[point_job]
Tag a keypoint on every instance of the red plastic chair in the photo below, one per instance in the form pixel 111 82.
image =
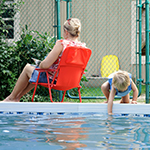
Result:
pixel 69 72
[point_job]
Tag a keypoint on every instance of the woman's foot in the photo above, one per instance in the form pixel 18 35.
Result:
pixel 9 99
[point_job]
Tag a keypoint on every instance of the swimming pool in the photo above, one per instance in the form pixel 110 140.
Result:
pixel 37 126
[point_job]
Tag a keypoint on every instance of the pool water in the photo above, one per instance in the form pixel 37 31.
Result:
pixel 74 131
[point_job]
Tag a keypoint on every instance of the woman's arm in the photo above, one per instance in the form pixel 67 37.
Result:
pixel 110 100
pixel 135 93
pixel 52 56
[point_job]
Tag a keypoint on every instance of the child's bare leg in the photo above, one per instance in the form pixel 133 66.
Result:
pixel 105 89
pixel 125 99
pixel 21 85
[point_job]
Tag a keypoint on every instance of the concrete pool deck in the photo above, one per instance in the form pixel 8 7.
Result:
pixel 140 100
pixel 73 107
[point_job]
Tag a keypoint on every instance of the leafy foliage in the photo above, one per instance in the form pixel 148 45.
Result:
pixel 7 74
pixel 7 10
pixel 14 58
pixel 32 44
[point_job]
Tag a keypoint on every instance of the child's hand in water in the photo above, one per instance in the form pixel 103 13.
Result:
pixel 110 114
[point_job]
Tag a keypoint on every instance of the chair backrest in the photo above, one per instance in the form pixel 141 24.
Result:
pixel 71 67
pixel 109 64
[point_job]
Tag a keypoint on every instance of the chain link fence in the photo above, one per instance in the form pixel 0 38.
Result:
pixel 41 16
pixel 108 28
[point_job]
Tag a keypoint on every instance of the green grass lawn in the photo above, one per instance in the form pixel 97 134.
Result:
pixel 85 92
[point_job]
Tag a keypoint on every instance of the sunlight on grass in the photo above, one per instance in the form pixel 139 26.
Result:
pixel 93 92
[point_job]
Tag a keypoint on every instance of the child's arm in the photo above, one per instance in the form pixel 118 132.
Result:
pixel 135 93
pixel 110 100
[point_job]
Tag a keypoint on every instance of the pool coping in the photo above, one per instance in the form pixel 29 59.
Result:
pixel 73 107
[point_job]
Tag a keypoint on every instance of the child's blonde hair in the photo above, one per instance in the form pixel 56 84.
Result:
pixel 121 80
pixel 73 26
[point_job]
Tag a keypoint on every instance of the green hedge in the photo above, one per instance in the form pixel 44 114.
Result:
pixel 14 58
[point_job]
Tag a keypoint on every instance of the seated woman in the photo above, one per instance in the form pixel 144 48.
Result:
pixel 72 29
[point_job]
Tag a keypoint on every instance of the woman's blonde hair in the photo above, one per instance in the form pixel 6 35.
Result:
pixel 121 80
pixel 73 26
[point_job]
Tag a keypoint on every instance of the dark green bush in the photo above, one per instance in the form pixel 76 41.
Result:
pixel 32 44
pixel 7 63
pixel 7 74
pixel 14 58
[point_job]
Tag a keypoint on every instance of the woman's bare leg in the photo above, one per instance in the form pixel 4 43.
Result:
pixel 22 85
pixel 26 90
pixel 105 89
pixel 125 99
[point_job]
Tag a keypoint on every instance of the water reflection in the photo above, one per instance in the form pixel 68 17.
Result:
pixel 71 132
pixel 57 130
pixel 127 132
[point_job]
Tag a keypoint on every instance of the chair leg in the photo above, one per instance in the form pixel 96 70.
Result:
pixel 36 86
pixel 49 88
pixel 33 94
pixel 50 94
pixel 79 95
pixel 63 96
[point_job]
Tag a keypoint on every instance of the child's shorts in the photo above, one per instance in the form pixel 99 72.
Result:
pixel 42 78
